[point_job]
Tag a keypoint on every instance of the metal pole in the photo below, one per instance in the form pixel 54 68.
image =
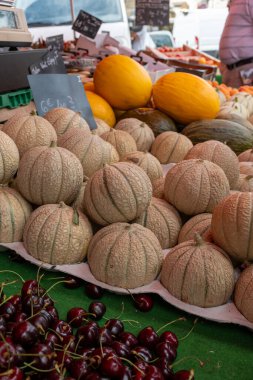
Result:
pixel 72 14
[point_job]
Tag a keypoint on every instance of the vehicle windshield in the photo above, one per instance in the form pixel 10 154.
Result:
pixel 161 40
pixel 58 12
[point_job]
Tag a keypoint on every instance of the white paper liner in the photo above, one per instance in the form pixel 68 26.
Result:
pixel 227 313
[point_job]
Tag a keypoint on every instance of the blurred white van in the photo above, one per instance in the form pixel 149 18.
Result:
pixel 47 18
pixel 200 28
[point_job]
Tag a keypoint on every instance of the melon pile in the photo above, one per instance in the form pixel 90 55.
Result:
pixel 72 194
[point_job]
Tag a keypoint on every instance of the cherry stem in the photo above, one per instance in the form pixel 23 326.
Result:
pixel 56 333
pixel 131 321
pixel 187 358
pixel 121 312
pixel 78 342
pixel 38 274
pixel 51 287
pixel 170 323
pixel 72 354
pixel 191 330
pixel 37 369
pixel 6 300
pixel 133 365
pixel 11 271
pixel 39 282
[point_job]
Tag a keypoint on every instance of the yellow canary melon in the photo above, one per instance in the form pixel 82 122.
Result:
pixel 199 273
pixel 101 108
pixel 123 82
pixel 57 234
pixel 125 255
pixel 185 97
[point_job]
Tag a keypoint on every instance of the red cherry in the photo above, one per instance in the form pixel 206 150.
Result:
pixel 79 369
pixel 148 337
pixel 43 357
pixel 32 304
pixel 164 366
pixel 72 282
pixel 20 317
pixel 115 326
pixel 76 316
pixel 3 325
pixel 7 311
pixel 98 309
pixel 165 349
pixel 153 373
pixel 184 375
pixel 25 334
pixel 143 302
pixel 31 287
pixel 62 328
pixel 142 353
pixel 128 339
pixel 88 335
pixel 8 356
pixel 121 349
pixel 16 301
pixel 111 366
pixel 53 312
pixel 14 373
pixel 170 337
pixel 93 291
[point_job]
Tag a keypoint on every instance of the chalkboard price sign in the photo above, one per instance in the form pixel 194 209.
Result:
pixel 55 42
pixel 50 63
pixel 87 24
pixel 60 90
pixel 152 12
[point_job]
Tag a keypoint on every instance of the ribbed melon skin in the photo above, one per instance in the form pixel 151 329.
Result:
pixel 140 131
pixel 171 147
pixel 117 193
pixel 92 151
pixel 29 131
pixel 49 175
pixel 195 186
pixel 54 234
pixel 9 158
pixel 198 274
pixel 147 162
pixel 122 141
pixel 232 225
pixel 78 201
pixel 125 255
pixel 221 155
pixel 63 119
pixel 102 127
pixel 246 156
pixel 238 137
pixel 200 224
pixel 245 183
pixel 14 212
pixel 243 293
pixel 246 168
pixel 163 220
pixel 158 188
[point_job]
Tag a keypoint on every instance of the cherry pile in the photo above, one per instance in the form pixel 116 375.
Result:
pixel 36 344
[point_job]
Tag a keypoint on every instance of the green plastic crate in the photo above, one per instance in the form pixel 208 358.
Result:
pixel 15 99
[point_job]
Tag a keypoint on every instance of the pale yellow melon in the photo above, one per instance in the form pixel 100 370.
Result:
pixel 29 131
pixel 14 212
pixel 171 147
pixel 197 224
pixel 57 234
pixel 92 151
pixel 163 220
pixel 232 225
pixel 147 162
pixel 140 131
pixel 9 158
pixel 63 119
pixel 49 175
pixel 158 188
pixel 221 155
pixel 243 293
pixel 117 193
pixel 122 141
pixel 199 273
pixel 125 255
pixel 195 186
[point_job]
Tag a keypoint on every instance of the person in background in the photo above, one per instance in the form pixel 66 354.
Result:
pixel 141 38
pixel 236 44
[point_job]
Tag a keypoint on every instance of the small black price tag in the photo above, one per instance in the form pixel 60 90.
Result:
pixel 55 42
pixel 50 63
pixel 59 90
pixel 152 12
pixel 87 24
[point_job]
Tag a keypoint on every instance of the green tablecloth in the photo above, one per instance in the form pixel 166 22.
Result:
pixel 227 350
